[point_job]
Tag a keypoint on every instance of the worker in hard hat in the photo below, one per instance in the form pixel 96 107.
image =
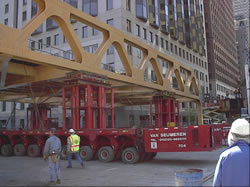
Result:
pixel 233 166
pixel 52 151
pixel 73 147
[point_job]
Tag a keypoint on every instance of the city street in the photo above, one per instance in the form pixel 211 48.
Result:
pixel 26 171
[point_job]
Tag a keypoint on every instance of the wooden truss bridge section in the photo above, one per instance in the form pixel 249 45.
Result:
pixel 25 72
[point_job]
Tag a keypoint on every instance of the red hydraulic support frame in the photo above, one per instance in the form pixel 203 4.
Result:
pixel 73 107
pixel 112 108
pixel 101 107
pixel 77 104
pixel 64 108
pixel 151 116
pixel 89 107
pixel 173 118
pixel 158 112
pixel 178 113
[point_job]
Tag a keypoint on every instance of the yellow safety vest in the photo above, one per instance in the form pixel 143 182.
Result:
pixel 75 142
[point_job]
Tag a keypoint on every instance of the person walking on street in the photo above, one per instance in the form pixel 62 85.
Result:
pixel 52 150
pixel 233 165
pixel 73 142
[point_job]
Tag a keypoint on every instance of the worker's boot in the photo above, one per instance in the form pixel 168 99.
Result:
pixel 58 181
pixel 52 182
pixel 82 164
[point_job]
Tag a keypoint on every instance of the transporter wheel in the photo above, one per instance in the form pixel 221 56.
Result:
pixel 6 150
pixel 33 150
pixel 19 150
pixel 86 153
pixel 130 155
pixel 64 154
pixel 106 154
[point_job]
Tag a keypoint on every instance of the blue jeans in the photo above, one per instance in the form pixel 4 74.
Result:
pixel 55 172
pixel 77 156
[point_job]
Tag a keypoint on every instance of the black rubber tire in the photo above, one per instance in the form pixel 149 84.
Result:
pixel 19 150
pixel 86 153
pixel 64 154
pixel 6 150
pixel 33 150
pixel 106 154
pixel 130 155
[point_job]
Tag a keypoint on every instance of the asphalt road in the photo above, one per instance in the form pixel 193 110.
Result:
pixel 26 171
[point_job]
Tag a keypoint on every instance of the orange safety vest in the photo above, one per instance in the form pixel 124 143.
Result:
pixel 75 142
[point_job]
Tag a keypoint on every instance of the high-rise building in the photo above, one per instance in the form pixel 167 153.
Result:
pixel 241 16
pixel 221 44
pixel 174 27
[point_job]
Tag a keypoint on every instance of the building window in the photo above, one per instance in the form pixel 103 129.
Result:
pixel 24 16
pixel 6 8
pixel 22 123
pixel 94 48
pixel 205 65
pixel 156 40
pixel 175 47
pixel 85 32
pixel 110 22
pixel 154 13
pixel 56 39
pixel 111 50
pixel 183 53
pixel 194 59
pixel 3 106
pixel 144 33
pixel 129 25
pixel 90 7
pixel 22 106
pixel 162 43
pixel 50 24
pixel 172 47
pixel 40 44
pixel 33 9
pixel 179 51
pixel 109 4
pixel 94 32
pixel 187 55
pixel 141 9
pixel 48 41
pixel 32 45
pixel 129 49
pixel 64 39
pixel 6 21
pixel 166 45
pixel 128 5
pixel 151 37
pixel 72 2
pixel 138 30
pixel 24 2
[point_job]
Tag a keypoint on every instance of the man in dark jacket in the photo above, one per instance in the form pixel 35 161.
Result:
pixel 52 150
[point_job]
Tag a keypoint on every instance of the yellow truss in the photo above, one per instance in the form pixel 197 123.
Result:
pixel 13 45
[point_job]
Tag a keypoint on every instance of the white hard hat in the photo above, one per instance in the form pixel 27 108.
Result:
pixel 240 127
pixel 71 131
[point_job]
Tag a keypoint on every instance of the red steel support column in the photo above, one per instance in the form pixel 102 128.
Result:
pixel 101 107
pixel 89 110
pixel 178 113
pixel 73 107
pixel 173 111
pixel 64 108
pixel 151 116
pixel 112 108
pixel 77 100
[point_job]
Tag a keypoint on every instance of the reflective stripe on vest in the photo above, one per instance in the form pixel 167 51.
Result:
pixel 75 142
